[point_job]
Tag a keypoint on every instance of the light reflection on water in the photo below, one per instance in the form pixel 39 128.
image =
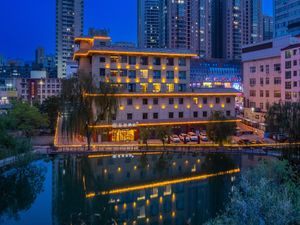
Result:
pixel 127 189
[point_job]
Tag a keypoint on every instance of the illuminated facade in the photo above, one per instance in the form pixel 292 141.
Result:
pixel 268 72
pixel 216 73
pixel 155 85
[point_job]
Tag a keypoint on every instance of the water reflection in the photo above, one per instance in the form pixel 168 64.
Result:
pixel 141 189
pixel 19 189
pixel 104 189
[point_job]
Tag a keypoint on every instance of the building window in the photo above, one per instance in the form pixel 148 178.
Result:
pixel 204 113
pixel 277 67
pixel 295 63
pixel 267 69
pixel 129 101
pixel 295 73
pixel 145 101
pixel 277 94
pixel 170 62
pixel 182 75
pixel 145 116
pixel 288 95
pixel 123 59
pixel 156 61
pixel 252 69
pixel 288 54
pixel 288 85
pixel 252 93
pixel 132 60
pixel 171 115
pixel 180 101
pixel 182 87
pixel 261 93
pixel 195 113
pixel 180 114
pixel 182 62
pixel 144 74
pixel 156 87
pixel 267 80
pixel 131 87
pixel 155 101
pixel 295 84
pixel 228 113
pixel 267 93
pixel 288 64
pixel 102 72
pixel 102 59
pixel 252 82
pixel 170 74
pixel 288 75
pixel 155 115
pixel 170 87
pixel 204 100
pixel 217 100
pixel 123 73
pixel 132 74
pixel 129 116
pixel 144 87
pixel 261 68
pixel 261 81
pixel 156 74
pixel 144 60
pixel 171 101
pixel 277 80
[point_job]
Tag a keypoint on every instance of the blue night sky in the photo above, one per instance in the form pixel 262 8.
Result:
pixel 31 23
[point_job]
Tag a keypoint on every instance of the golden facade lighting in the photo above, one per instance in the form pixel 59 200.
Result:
pixel 223 105
pixel 137 107
pixel 150 107
pixel 107 66
pixel 163 106
pixel 188 106
pixel 163 67
pixel 150 67
pixel 211 105
pixel 137 67
pixel 119 66
pixel 168 182
pixel 122 107
pixel 183 94
pixel 200 106
pixel 127 67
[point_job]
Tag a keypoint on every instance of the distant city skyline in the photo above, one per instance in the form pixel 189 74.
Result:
pixel 35 24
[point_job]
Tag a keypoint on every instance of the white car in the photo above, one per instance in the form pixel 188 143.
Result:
pixel 184 137
pixel 193 137
pixel 175 139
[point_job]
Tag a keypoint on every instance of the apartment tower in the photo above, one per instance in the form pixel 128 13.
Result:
pixel 69 24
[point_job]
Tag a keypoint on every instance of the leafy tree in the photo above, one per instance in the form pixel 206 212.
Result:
pixel 220 131
pixel 284 118
pixel 162 132
pixel 268 194
pixel 145 134
pixel 81 111
pixel 51 107
pixel 26 118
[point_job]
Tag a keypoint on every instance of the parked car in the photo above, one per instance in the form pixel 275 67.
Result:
pixel 203 137
pixel 184 137
pixel 193 137
pixel 244 142
pixel 279 137
pixel 174 138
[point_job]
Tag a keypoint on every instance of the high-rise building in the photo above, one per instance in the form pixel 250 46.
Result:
pixel 168 24
pixel 286 17
pixel 39 55
pixel 252 21
pixel 267 27
pixel 69 24
pixel 211 28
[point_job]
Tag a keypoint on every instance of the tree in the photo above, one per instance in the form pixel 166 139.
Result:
pixel 51 106
pixel 219 132
pixel 162 132
pixel 81 111
pixel 145 134
pixel 268 194
pixel 284 119
pixel 26 118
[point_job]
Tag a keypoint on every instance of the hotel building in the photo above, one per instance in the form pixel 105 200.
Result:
pixel 270 72
pixel 155 87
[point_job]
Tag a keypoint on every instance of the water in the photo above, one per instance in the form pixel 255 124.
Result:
pixel 127 189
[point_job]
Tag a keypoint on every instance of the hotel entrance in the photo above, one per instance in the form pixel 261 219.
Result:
pixel 119 135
